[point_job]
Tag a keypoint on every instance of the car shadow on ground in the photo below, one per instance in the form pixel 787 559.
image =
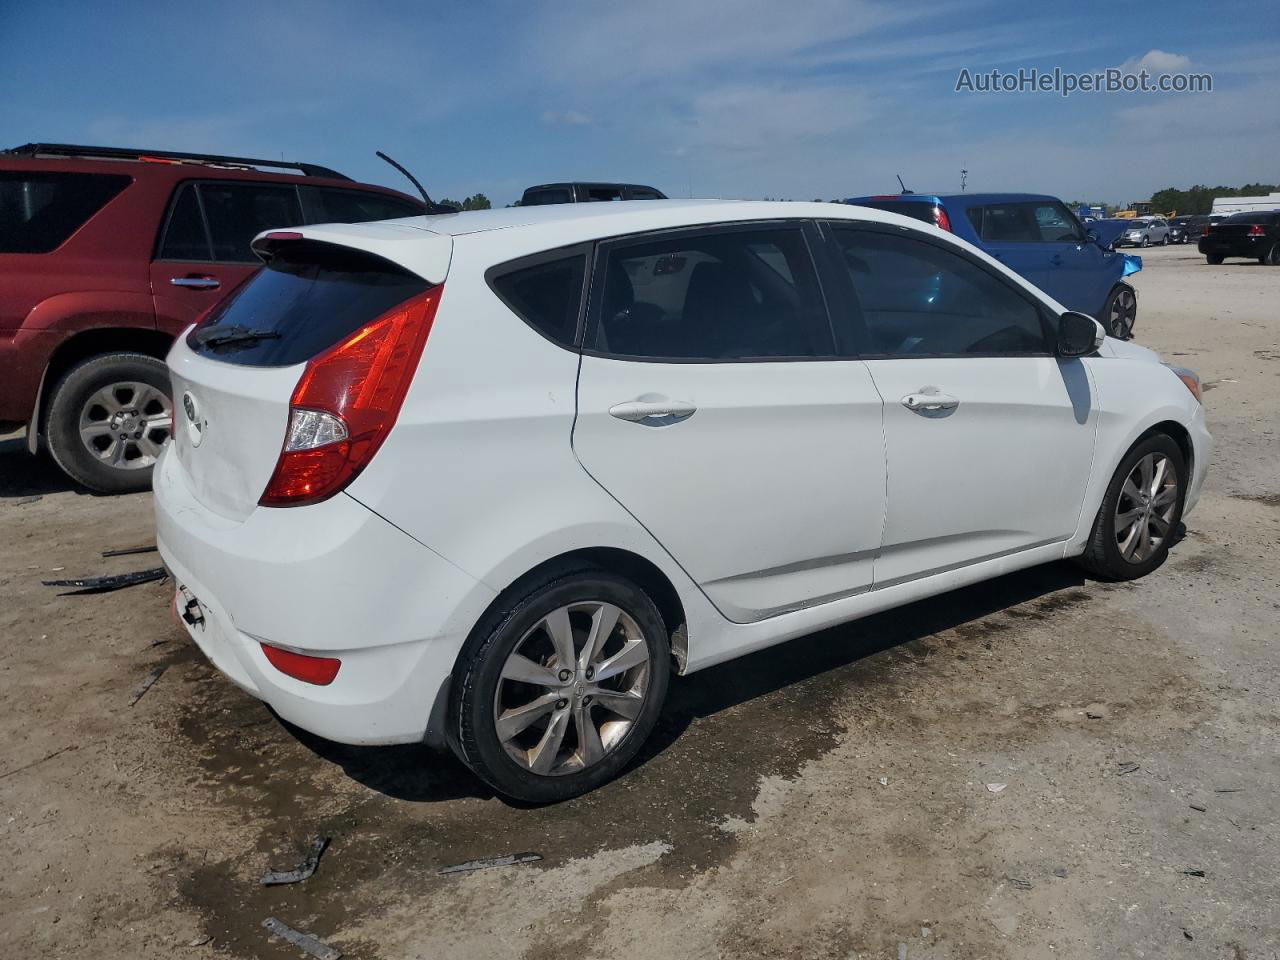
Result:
pixel 22 475
pixel 418 774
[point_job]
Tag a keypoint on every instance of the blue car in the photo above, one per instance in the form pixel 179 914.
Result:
pixel 1038 237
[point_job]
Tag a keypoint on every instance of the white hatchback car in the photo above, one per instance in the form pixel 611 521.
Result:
pixel 487 479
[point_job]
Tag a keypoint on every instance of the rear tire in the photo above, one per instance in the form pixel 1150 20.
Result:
pixel 1272 257
pixel 585 727
pixel 1213 259
pixel 107 418
pixel 1140 512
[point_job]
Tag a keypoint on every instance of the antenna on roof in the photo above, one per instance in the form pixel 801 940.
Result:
pixel 901 184
pixel 432 206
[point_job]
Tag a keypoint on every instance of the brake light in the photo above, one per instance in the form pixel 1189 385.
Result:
pixel 1205 231
pixel 1255 230
pixel 941 219
pixel 347 401
pixel 318 670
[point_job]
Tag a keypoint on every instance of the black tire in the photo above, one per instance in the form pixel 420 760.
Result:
pixel 1213 259
pixel 1146 241
pixel 473 732
pixel 1272 257
pixel 1120 312
pixel 1102 556
pixel 69 402
pixel 1165 241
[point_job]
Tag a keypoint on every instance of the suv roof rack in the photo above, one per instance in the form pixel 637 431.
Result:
pixel 121 153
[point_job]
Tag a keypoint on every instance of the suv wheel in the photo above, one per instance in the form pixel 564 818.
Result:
pixel 1121 312
pixel 107 419
pixel 556 699
pixel 1140 512
pixel 1213 259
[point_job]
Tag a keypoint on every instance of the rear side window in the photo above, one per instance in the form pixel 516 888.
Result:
pixel 603 193
pixel 715 295
pixel 546 295
pixel 355 206
pixel 643 193
pixel 237 212
pixel 537 198
pixel 40 211
pixel 915 209
pixel 306 299
pixel 913 298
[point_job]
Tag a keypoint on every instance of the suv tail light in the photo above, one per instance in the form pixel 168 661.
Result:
pixel 1255 230
pixel 941 219
pixel 347 401
pixel 1205 231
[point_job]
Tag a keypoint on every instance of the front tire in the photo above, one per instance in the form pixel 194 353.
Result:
pixel 555 698
pixel 1140 512
pixel 1121 312
pixel 1146 241
pixel 107 419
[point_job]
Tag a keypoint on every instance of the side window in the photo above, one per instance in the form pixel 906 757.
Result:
pixel 915 298
pixel 538 198
pixel 1009 223
pixel 355 206
pixel 604 193
pixel 40 211
pixel 1055 224
pixel 720 295
pixel 643 193
pixel 547 295
pixel 184 235
pixel 237 212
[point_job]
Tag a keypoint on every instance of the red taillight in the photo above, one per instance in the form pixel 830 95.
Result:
pixel 317 670
pixel 1255 230
pixel 941 219
pixel 1205 231
pixel 346 402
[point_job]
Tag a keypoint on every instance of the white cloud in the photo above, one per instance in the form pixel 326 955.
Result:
pixel 1156 61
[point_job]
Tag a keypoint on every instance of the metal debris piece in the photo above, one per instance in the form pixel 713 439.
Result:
pixel 1193 873
pixel 106 584
pixel 1187 933
pixel 200 941
pixel 883 781
pixel 303 941
pixel 129 551
pixel 1196 806
pixel 303 870
pixel 146 685
pixel 1090 715
pixel 1230 790
pixel 1019 882
pixel 996 787
pixel 509 860
pixel 1126 768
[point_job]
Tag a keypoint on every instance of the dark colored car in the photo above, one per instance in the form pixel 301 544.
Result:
pixel 105 256
pixel 1038 237
pixel 587 193
pixel 1187 227
pixel 1254 235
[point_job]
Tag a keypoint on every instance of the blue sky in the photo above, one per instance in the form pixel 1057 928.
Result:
pixel 739 98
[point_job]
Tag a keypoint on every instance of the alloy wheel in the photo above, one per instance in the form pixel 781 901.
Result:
pixel 1124 309
pixel 125 424
pixel 1145 507
pixel 572 688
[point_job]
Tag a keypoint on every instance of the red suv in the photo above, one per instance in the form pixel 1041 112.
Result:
pixel 105 256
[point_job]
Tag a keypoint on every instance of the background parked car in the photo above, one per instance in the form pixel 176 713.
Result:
pixel 587 193
pixel 1187 228
pixel 106 255
pixel 1038 237
pixel 1143 232
pixel 1255 235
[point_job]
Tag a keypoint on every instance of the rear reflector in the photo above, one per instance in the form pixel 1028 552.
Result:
pixel 347 401
pixel 317 670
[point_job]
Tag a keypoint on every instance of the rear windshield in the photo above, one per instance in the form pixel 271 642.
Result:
pixel 1250 216
pixel 916 209
pixel 39 211
pixel 304 301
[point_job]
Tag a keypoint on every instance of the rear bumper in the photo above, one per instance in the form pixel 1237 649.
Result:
pixel 1249 247
pixel 332 579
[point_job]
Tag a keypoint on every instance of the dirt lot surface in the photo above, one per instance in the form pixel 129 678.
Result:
pixel 836 797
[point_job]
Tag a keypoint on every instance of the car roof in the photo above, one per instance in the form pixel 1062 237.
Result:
pixel 588 183
pixel 960 199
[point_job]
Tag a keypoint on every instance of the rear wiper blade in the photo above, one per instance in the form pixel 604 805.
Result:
pixel 218 336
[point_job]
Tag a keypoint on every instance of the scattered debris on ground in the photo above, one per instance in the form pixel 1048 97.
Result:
pixel 36 763
pixel 303 941
pixel 1196 806
pixel 146 685
pixel 303 870
pixel 996 787
pixel 1193 873
pixel 200 941
pixel 130 551
pixel 507 861
pixel 1125 768
pixel 115 581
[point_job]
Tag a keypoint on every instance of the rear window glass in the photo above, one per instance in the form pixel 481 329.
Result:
pixel 536 198
pixel 40 211
pixel 304 301
pixel 1251 216
pixel 547 296
pixel 354 206
pixel 915 209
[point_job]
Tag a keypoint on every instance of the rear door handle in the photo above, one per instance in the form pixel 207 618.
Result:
pixel 929 402
pixel 653 413
pixel 196 283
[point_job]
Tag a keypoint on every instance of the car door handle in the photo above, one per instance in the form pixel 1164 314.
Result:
pixel 653 413
pixel 196 283
pixel 929 402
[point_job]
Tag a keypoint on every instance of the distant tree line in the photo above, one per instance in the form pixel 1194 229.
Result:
pixel 1199 199
pixel 476 202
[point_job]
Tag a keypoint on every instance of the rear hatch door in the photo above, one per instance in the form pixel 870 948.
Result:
pixel 234 374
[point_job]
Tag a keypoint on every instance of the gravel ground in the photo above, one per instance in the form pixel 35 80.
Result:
pixel 830 798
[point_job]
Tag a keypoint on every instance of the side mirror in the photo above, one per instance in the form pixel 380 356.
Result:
pixel 1079 334
pixel 1091 236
